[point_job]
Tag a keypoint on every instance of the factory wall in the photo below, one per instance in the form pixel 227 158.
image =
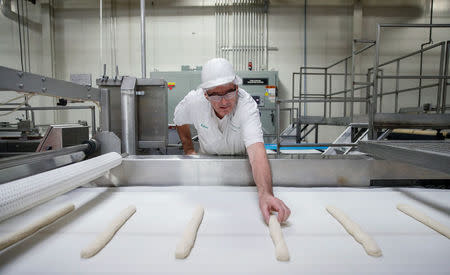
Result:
pixel 10 57
pixel 183 33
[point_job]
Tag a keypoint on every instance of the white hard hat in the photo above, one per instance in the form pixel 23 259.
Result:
pixel 218 71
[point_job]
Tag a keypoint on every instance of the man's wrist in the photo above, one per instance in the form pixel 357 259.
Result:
pixel 264 193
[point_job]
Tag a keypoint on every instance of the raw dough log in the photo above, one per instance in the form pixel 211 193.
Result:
pixel 353 229
pixel 281 250
pixel 104 237
pixel 32 228
pixel 421 217
pixel 190 233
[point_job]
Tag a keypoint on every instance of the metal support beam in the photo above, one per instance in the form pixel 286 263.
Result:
pixel 105 117
pixel 14 80
pixel 143 46
pixel 128 108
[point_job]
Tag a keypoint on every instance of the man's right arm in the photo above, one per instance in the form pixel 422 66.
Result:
pixel 185 136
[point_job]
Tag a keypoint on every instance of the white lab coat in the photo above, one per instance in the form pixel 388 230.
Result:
pixel 230 135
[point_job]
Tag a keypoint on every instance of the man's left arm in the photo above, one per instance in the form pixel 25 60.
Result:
pixel 263 180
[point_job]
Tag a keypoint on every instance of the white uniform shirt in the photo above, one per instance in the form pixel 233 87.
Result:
pixel 227 136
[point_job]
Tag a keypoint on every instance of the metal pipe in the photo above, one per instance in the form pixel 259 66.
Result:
pixel 222 27
pixel 349 57
pixel 414 77
pixel 101 34
pixel 430 41
pixel 261 35
pixel 291 118
pixel 445 83
pixel 47 108
pixel 28 36
pixel 305 44
pixel 267 33
pixel 325 94
pixel 252 35
pixel 238 38
pixel 227 27
pixel 352 86
pixel 217 29
pixel 348 90
pixel 409 89
pixel 394 25
pixel 246 34
pixel 345 87
pixel 334 99
pixel 277 126
pixel 93 122
pixel 396 86
pixel 321 145
pixel 409 55
pixel 381 91
pixel 338 74
pixel 143 46
pixel 372 134
pixel 329 97
pixel 38 156
pixel 297 130
pixel 219 32
pixel 440 81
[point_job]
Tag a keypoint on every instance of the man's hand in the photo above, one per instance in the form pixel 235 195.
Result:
pixel 268 203
pixel 190 152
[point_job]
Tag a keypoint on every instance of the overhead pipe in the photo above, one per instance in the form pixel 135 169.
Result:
pixel 430 41
pixel 267 34
pixel 304 52
pixel 143 55
pixel 234 33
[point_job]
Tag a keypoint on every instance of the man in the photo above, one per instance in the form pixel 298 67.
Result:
pixel 227 122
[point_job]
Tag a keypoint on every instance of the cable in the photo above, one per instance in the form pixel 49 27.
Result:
pixel 5 103
pixel 25 19
pixel 20 33
pixel 18 106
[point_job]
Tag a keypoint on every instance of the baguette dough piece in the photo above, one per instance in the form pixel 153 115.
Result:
pixel 185 245
pixel 353 229
pixel 35 226
pixel 104 237
pixel 421 217
pixel 281 249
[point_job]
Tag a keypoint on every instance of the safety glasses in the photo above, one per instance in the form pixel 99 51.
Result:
pixel 227 96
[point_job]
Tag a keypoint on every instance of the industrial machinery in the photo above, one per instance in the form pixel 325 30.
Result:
pixel 114 171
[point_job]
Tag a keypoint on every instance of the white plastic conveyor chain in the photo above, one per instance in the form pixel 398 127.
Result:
pixel 23 194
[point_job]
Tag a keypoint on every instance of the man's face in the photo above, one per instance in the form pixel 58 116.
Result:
pixel 222 98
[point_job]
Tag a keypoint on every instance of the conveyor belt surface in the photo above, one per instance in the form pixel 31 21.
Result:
pixel 232 238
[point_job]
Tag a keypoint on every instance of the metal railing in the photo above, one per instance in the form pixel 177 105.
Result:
pixel 373 85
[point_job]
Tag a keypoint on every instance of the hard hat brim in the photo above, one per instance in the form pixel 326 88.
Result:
pixel 221 81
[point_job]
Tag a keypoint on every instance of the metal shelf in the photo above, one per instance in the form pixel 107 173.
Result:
pixel 429 154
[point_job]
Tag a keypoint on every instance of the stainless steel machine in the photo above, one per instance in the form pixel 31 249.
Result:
pixel 233 238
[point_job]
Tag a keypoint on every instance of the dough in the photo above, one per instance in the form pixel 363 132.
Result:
pixel 353 229
pixel 32 228
pixel 190 233
pixel 421 217
pixel 281 250
pixel 104 237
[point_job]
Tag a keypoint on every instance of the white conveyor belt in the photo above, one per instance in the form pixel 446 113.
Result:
pixel 233 238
